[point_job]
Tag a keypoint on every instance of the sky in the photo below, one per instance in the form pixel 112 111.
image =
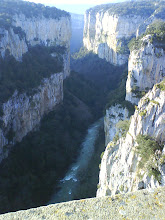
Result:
pixel 74 6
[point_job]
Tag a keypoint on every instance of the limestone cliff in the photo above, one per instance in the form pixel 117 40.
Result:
pixel 22 112
pixel 29 24
pixel 108 28
pixel 146 67
pixel 113 115
pixel 23 26
pixel 120 171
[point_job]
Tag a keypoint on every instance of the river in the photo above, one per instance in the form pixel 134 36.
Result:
pixel 71 181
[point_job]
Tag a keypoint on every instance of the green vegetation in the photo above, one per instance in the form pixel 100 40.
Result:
pixel 157 37
pixel 122 46
pixel 26 75
pixel 143 8
pixel 136 43
pixel 31 172
pixel 161 85
pixel 143 113
pixel 103 75
pixel 10 8
pixel 137 92
pixel 117 96
pixel 102 154
pixel 81 53
pixel 123 127
pixel 146 149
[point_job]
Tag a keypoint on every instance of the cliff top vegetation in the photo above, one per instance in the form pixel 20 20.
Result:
pixel 10 8
pixel 157 37
pixel 142 8
pixel 28 74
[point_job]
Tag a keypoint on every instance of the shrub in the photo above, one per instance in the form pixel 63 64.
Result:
pixel 161 85
pixel 146 149
pixel 123 127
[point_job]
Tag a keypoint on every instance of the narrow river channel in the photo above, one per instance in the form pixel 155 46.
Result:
pixel 71 181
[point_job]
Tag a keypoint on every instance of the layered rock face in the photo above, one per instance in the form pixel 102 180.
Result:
pixel 113 115
pixel 120 170
pixel 108 28
pixel 146 67
pixel 26 31
pixel 104 33
pixel 23 112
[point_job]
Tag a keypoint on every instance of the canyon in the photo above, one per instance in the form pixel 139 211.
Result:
pixel 121 64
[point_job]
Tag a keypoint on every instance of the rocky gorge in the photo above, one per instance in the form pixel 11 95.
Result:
pixel 44 124
pixel 21 113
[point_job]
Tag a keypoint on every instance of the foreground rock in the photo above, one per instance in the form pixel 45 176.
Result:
pixel 139 205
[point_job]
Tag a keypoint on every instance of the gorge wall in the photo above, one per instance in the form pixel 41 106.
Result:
pixel 23 27
pixel 108 28
pixel 134 157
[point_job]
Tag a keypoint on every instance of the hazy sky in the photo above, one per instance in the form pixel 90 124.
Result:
pixel 74 6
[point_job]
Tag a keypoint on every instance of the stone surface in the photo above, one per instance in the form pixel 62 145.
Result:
pixel 113 115
pixel 37 30
pixel 139 205
pixel 146 67
pixel 119 166
pixel 103 33
pixel 22 112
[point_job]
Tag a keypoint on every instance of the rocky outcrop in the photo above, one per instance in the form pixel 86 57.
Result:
pixel 146 67
pixel 105 34
pixel 22 113
pixel 113 115
pixel 139 205
pixel 109 28
pixel 26 31
pixel 28 25
pixel 120 171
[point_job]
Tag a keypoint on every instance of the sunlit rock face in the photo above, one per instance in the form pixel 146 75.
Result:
pixel 146 67
pixel 113 115
pixel 109 28
pixel 34 31
pixel 105 34
pixel 120 172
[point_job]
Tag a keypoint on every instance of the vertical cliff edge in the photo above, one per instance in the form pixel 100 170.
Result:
pixel 34 59
pixel 109 28
pixel 135 154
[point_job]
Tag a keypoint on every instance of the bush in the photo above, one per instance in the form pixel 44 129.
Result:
pixel 26 75
pixel 146 149
pixel 123 127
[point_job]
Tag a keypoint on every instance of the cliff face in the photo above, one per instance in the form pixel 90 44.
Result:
pixel 104 33
pixel 26 30
pixel 120 171
pixel 22 112
pixel 146 67
pixel 113 115
pixel 108 28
